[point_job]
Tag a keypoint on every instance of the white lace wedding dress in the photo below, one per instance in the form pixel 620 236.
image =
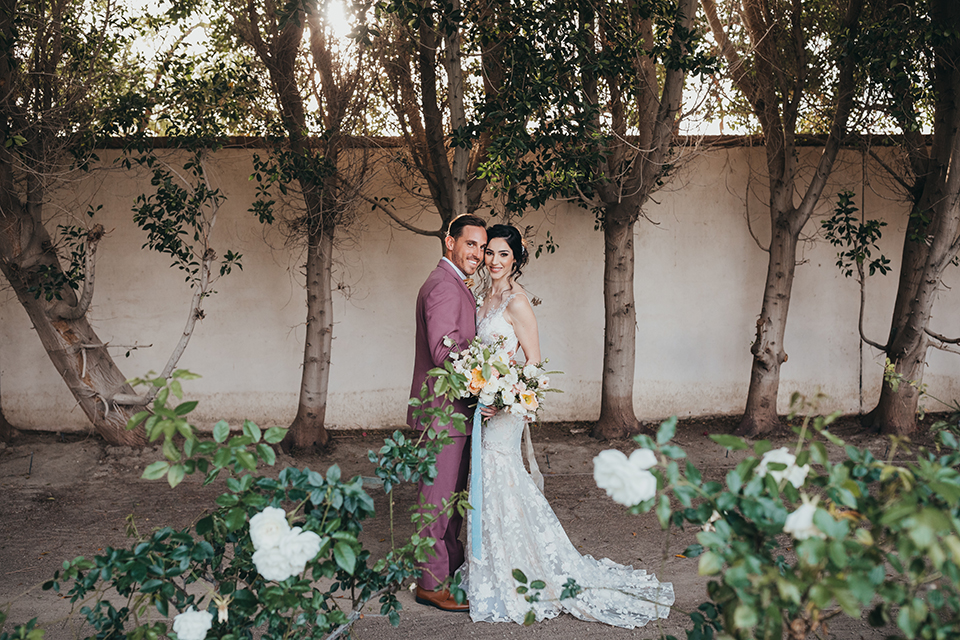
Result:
pixel 520 531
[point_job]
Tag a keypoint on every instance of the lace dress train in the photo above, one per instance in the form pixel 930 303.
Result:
pixel 521 531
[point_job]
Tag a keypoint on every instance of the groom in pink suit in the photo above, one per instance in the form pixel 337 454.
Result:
pixel 446 308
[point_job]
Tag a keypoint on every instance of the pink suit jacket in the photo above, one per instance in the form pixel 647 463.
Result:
pixel 445 308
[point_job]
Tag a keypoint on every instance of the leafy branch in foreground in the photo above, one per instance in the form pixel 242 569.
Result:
pixel 272 559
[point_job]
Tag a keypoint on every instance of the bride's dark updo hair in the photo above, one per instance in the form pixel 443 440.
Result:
pixel 514 241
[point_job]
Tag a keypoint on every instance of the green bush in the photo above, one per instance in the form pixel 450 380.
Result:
pixel 322 515
pixel 793 540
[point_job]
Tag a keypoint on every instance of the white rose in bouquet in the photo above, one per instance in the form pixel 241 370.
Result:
pixel 626 480
pixel 268 527
pixel 795 475
pixel 531 371
pixel 800 525
pixel 192 624
pixel 299 547
pixel 273 564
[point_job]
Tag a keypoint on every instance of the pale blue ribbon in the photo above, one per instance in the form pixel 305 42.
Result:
pixel 476 483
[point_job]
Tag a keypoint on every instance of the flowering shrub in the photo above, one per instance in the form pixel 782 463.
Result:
pixel 260 553
pixel 865 534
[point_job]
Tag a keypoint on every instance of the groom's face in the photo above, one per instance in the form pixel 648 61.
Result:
pixel 467 251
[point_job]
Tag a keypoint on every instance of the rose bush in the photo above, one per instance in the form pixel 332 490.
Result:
pixel 260 573
pixel 873 536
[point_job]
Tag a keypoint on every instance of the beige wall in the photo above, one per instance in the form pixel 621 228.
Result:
pixel 699 284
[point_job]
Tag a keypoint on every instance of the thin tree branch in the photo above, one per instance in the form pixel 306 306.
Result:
pixel 77 311
pixel 406 225
pixel 863 303
pixel 943 347
pixel 893 174
pixel 944 339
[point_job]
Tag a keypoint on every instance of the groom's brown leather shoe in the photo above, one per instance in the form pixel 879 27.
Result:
pixel 441 600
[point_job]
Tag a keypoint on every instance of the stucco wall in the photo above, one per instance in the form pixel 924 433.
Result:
pixel 699 284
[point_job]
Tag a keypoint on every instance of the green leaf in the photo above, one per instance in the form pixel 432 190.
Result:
pixel 221 431
pixel 252 430
pixel 170 451
pixel 663 511
pixel 274 435
pixel 519 576
pixel 185 407
pixel 667 430
pixel 136 419
pixel 246 460
pixel 156 470
pixel 161 400
pixel 788 590
pixel 189 444
pixel 267 454
pixel 710 564
pixel 530 618
pixel 175 475
pixel 673 452
pixel 761 447
pixel 745 616
pixel 345 557
pixel 538 584
pixel 235 518
pixel 732 443
pixel 204 525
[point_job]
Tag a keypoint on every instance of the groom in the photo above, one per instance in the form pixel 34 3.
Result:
pixel 446 308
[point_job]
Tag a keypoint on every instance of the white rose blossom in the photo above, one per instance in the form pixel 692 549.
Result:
pixel 273 564
pixel 531 371
pixel 280 551
pixel 799 524
pixel 300 547
pixel 626 480
pixel 192 624
pixel 795 475
pixel 268 527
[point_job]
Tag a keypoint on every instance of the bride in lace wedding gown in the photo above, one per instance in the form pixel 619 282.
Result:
pixel 519 529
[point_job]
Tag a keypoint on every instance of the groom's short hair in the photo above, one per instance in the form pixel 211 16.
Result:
pixel 465 220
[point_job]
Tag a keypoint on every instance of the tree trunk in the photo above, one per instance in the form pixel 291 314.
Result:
pixel 896 410
pixel 617 416
pixel 7 431
pixel 73 346
pixel 927 250
pixel 307 430
pixel 760 415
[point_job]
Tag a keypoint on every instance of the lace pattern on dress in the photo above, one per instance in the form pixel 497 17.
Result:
pixel 521 531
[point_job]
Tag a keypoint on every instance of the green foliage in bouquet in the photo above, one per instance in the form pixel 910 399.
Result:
pixel 227 576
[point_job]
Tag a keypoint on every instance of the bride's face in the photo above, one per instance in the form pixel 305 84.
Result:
pixel 498 257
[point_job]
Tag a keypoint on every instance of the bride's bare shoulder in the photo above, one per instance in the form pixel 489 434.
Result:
pixel 521 300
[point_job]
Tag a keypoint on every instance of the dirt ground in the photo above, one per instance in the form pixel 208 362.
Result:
pixel 65 496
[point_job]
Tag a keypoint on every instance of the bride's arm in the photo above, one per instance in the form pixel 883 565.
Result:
pixel 524 323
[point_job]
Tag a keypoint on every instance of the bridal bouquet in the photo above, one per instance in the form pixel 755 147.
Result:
pixel 491 373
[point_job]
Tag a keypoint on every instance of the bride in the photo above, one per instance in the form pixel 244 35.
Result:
pixel 518 528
